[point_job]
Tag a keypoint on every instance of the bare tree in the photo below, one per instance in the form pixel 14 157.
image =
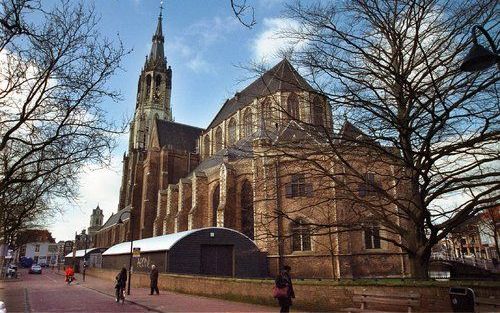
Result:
pixel 54 74
pixel 414 142
pixel 244 12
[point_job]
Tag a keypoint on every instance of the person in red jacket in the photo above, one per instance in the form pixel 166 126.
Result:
pixel 70 274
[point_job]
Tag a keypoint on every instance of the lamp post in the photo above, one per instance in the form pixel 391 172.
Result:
pixel 85 257
pixel 131 246
pixel 480 58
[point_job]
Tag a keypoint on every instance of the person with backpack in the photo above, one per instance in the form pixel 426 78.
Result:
pixel 121 282
pixel 283 289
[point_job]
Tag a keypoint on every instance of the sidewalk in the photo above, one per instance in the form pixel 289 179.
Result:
pixel 170 301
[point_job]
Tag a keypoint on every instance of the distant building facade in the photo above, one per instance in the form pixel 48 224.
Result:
pixel 478 238
pixel 42 253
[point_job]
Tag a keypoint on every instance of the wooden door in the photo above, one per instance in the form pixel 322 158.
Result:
pixel 217 260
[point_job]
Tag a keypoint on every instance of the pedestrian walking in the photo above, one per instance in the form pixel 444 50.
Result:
pixel 121 282
pixel 153 276
pixel 283 291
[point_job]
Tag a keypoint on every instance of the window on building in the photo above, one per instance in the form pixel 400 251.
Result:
pixel 367 187
pixel 247 212
pixel 318 112
pixel 247 123
pixel 157 82
pixel 215 204
pixel 372 237
pixel 218 139
pixel 148 85
pixel 232 131
pixel 206 146
pixel 301 236
pixel 37 248
pixel 293 107
pixel 267 114
pixel 297 187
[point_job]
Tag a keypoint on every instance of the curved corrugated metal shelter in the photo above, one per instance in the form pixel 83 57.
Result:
pixel 213 251
pixel 80 253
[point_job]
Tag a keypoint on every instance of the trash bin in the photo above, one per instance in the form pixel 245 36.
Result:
pixel 462 299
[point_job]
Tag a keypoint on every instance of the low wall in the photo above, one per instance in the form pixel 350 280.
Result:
pixel 310 294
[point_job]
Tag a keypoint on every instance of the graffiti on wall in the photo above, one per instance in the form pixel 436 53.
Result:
pixel 143 262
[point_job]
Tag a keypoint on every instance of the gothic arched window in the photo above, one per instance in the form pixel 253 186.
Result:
pixel 372 236
pixel 232 131
pixel 267 114
pixel 293 107
pixel 218 139
pixel 247 123
pixel 318 112
pixel 148 85
pixel 247 220
pixel 215 204
pixel 157 81
pixel 206 146
pixel 301 236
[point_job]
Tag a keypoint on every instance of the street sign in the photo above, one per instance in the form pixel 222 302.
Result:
pixel 136 252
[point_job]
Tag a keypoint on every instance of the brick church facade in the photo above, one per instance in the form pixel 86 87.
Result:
pixel 178 177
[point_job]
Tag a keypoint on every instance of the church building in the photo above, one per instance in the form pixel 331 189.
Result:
pixel 178 177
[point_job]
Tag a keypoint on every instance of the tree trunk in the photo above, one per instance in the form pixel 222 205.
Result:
pixel 419 264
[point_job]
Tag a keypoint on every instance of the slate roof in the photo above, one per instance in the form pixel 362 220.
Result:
pixel 242 149
pixel 113 219
pixel 282 76
pixel 178 136
pixel 349 132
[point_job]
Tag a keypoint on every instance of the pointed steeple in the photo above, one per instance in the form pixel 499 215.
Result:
pixel 157 54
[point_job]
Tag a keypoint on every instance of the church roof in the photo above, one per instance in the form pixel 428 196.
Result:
pixel 282 77
pixel 177 136
pixel 113 219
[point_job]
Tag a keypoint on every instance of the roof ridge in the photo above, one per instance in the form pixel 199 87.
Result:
pixel 177 123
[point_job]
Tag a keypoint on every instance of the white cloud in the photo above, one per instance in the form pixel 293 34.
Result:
pixel 194 42
pixel 199 65
pixel 269 43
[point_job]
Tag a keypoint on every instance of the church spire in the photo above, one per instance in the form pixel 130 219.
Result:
pixel 157 54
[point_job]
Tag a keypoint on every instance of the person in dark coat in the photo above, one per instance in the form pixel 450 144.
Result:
pixel 153 276
pixel 121 282
pixel 285 280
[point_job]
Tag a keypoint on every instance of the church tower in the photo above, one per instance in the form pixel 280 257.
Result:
pixel 153 92
pixel 96 220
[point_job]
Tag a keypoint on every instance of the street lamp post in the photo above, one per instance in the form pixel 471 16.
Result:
pixel 480 58
pixel 85 257
pixel 131 248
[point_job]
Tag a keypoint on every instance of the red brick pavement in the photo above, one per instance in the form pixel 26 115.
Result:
pixel 49 293
pixel 170 301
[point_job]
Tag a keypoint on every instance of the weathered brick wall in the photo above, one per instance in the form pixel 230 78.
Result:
pixel 185 202
pixel 310 295
pixel 198 215
pixel 226 213
pixel 172 204
pixel 161 212
pixel 150 192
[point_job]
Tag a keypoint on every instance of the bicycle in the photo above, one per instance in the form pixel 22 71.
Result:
pixel 120 294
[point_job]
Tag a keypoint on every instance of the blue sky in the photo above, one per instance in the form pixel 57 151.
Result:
pixel 204 44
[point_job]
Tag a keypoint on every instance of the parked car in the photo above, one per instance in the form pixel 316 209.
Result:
pixel 35 269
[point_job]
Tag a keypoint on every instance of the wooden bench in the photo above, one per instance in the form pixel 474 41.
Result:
pixel 487 304
pixel 408 301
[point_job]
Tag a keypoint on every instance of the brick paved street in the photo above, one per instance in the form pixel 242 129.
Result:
pixel 49 293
